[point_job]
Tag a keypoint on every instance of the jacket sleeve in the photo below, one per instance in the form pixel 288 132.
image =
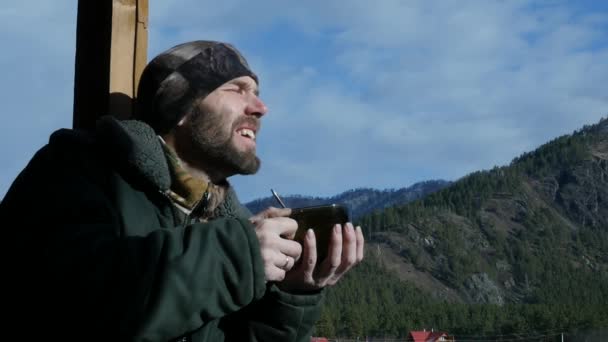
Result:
pixel 71 257
pixel 278 316
pixel 205 272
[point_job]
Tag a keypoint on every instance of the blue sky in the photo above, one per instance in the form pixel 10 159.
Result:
pixel 361 93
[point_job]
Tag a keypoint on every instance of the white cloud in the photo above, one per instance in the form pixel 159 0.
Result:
pixel 387 93
pixel 451 86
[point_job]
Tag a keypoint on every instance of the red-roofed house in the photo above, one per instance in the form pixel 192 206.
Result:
pixel 319 339
pixel 429 336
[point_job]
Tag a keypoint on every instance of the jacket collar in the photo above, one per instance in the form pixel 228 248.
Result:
pixel 138 150
pixel 135 147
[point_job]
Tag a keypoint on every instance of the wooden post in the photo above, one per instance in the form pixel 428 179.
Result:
pixel 111 52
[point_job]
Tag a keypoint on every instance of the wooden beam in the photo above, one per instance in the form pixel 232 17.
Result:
pixel 92 69
pixel 141 42
pixel 111 52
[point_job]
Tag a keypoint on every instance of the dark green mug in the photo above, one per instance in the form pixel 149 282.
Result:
pixel 321 219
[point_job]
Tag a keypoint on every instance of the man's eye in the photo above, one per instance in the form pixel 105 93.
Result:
pixel 236 89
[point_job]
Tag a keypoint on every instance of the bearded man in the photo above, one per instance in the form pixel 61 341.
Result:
pixel 134 233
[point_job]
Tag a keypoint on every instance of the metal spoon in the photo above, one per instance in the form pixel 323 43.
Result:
pixel 276 196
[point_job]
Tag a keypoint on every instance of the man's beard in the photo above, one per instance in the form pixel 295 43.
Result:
pixel 213 143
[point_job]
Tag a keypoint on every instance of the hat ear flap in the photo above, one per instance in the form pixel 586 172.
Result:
pixel 182 121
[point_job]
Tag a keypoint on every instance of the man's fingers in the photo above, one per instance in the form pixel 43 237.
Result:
pixel 277 212
pixel 275 274
pixel 309 255
pixel 346 250
pixel 275 265
pixel 349 249
pixel 284 262
pixel 334 256
pixel 349 253
pixel 283 226
pixel 360 244
pixel 290 248
pixel 335 249
pixel 270 212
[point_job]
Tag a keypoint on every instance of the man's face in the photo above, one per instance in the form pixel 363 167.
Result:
pixel 223 128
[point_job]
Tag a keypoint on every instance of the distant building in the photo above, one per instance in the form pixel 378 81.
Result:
pixel 429 336
pixel 319 339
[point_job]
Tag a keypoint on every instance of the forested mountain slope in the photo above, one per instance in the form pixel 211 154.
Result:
pixel 516 248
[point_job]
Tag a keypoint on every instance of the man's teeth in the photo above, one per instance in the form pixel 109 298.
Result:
pixel 247 133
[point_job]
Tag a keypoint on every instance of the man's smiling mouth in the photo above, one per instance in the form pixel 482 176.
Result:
pixel 246 132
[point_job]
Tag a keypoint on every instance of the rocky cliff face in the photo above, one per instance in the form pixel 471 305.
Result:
pixel 581 193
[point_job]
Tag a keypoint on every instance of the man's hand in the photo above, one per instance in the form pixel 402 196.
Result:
pixel 275 232
pixel 345 251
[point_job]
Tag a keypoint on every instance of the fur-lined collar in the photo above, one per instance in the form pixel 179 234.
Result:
pixel 136 147
pixel 133 147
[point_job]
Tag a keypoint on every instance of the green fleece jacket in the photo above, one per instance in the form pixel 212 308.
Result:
pixel 100 253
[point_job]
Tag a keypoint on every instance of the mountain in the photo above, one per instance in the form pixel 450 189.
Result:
pixel 359 201
pixel 512 250
pixel 498 236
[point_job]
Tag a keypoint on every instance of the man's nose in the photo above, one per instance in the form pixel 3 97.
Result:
pixel 255 106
